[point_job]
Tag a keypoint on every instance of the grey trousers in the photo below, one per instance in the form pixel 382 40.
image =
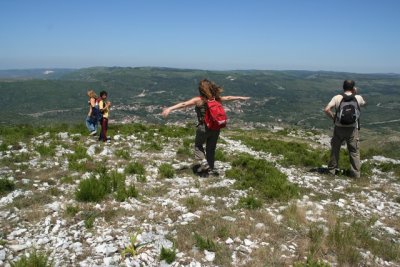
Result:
pixel 208 137
pixel 351 137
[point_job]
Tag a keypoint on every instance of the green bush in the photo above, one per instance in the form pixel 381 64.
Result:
pixel 122 154
pixel 123 193
pixel 89 218
pixel 294 153
pixel 250 202
pixel 220 155
pixel 91 190
pixel 193 203
pixel 6 185
pixel 263 177
pixel 166 170
pixel 46 151
pixel 135 168
pixel 311 263
pixel 204 243
pixel 35 259
pixel 168 255
pixel 71 211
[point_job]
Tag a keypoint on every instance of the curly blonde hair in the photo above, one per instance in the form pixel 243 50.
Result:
pixel 91 94
pixel 210 90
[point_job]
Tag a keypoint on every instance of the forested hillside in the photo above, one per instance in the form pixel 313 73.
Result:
pixel 138 94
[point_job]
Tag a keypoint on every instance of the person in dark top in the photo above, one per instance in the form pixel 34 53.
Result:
pixel 208 91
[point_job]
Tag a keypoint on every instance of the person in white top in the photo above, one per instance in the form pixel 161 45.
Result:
pixel 345 131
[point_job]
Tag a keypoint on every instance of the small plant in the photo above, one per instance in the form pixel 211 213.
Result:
pixel 265 178
pixel 6 185
pixel 67 180
pixel 133 248
pixel 141 178
pixel 311 263
pixel 54 191
pixel 90 190
pixel 193 203
pixel 123 193
pixel 36 259
pixel 220 155
pixel 71 211
pixel 204 243
pixel 166 170
pixel 89 218
pixel 168 255
pixel 250 202
pixel 46 150
pixel 135 168
pixel 122 154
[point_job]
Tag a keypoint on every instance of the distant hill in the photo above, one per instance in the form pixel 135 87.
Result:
pixel 139 94
pixel 34 73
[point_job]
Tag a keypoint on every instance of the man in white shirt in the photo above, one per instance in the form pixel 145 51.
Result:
pixel 345 131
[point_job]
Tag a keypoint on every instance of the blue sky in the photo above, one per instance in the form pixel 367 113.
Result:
pixel 334 35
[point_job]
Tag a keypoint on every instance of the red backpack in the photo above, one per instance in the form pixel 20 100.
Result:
pixel 215 117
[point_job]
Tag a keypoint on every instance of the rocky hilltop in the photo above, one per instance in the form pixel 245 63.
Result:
pixel 135 201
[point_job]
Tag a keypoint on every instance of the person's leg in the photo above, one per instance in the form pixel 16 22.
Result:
pixel 354 153
pixel 211 146
pixel 89 124
pixel 200 139
pixel 101 130
pixel 104 128
pixel 336 143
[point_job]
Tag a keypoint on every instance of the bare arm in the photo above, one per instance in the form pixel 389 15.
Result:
pixel 184 104
pixel 328 112
pixel 230 98
pixel 92 102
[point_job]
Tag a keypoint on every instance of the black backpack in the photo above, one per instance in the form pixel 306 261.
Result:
pixel 348 111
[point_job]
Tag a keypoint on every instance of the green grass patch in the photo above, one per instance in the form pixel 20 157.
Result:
pixel 46 150
pixel 122 154
pixel 6 186
pixel 311 263
pixel 203 243
pixel 193 203
pixel 345 239
pixel 91 190
pixel 135 168
pixel 96 189
pixel 168 255
pixel 250 202
pixel 71 210
pixel 294 153
pixel 166 170
pixel 35 259
pixel 267 181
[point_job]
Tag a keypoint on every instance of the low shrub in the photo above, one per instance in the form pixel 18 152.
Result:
pixel 166 170
pixel 46 150
pixel 250 202
pixel 123 193
pixel 91 190
pixel 311 263
pixel 6 186
pixel 36 259
pixel 168 255
pixel 122 154
pixel 135 168
pixel 193 203
pixel 204 243
pixel 267 181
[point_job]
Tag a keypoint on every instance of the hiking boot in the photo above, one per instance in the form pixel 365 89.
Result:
pixel 203 167
pixel 213 172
